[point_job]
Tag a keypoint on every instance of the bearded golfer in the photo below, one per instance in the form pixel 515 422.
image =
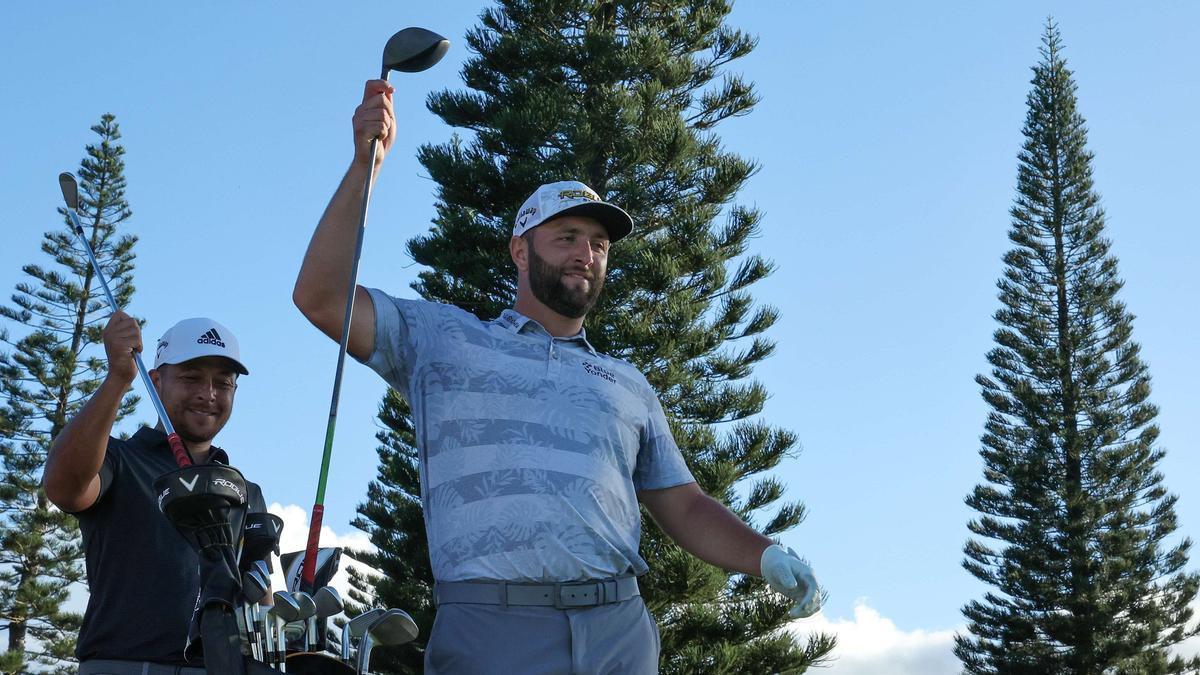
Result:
pixel 535 449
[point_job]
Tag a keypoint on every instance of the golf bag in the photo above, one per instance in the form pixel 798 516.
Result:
pixel 207 505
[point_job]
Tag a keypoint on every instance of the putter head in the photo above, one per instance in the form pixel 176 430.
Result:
pixel 413 50
pixel 328 602
pixel 70 188
pixel 307 606
pixel 286 607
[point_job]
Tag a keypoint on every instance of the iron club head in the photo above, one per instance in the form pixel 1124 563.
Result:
pixel 328 602
pixel 354 628
pixel 413 50
pixel 393 627
pixel 254 586
pixel 70 190
pixel 286 607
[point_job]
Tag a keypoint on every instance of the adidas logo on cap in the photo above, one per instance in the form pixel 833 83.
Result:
pixel 211 338
pixel 195 338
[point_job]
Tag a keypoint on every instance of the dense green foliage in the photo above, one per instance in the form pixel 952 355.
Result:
pixel 1075 529
pixel 45 376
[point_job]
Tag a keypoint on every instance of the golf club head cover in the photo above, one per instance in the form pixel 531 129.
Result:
pixel 786 573
pixel 205 503
pixel 260 537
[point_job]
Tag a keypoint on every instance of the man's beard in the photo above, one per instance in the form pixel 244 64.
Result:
pixel 546 282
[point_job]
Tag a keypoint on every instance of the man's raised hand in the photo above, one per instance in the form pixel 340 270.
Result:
pixel 374 118
pixel 122 337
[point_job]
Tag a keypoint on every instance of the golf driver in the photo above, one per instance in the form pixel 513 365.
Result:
pixel 411 50
pixel 328 602
pixel 70 193
pixel 393 627
pixel 354 628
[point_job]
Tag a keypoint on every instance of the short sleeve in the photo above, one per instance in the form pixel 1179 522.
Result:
pixel 396 337
pixel 109 470
pixel 660 464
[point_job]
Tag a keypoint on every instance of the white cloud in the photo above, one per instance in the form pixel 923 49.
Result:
pixel 871 644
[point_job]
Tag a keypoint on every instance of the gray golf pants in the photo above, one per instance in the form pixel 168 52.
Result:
pixel 616 639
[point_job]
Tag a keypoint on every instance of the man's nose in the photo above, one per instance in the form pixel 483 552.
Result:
pixel 584 252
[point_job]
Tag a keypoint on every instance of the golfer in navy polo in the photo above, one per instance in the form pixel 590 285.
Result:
pixel 534 448
pixel 143 576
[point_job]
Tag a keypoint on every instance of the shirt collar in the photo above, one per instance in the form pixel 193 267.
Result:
pixel 158 439
pixel 519 323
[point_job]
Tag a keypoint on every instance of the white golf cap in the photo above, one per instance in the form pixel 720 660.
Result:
pixel 570 197
pixel 193 338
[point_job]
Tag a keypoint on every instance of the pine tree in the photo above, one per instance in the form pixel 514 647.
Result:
pixel 624 96
pixel 1075 527
pixel 47 375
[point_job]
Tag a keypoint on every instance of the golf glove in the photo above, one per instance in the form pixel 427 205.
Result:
pixel 786 573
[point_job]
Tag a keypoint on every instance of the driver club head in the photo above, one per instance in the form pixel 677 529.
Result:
pixel 412 50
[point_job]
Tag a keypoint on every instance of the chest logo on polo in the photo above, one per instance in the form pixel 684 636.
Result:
pixel 192 485
pixel 599 371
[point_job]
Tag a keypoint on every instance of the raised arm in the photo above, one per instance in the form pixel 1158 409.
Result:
pixel 320 291
pixel 72 475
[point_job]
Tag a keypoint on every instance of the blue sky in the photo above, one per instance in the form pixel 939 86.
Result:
pixel 887 137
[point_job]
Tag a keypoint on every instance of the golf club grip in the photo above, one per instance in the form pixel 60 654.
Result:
pixel 308 573
pixel 181 454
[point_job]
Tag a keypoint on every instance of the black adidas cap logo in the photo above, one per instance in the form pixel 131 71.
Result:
pixel 211 338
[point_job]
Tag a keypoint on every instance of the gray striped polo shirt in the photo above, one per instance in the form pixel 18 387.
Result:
pixel 531 447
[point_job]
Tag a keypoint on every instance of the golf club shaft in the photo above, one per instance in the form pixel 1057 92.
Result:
pixel 181 455
pixel 309 571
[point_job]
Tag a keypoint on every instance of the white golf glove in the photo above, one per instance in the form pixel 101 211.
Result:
pixel 786 573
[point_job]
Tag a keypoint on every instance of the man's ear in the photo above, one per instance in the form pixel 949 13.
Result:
pixel 518 248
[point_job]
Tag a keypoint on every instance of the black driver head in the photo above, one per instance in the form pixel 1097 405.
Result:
pixel 413 50
pixel 70 189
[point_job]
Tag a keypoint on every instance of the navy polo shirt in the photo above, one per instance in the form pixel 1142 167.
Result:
pixel 143 576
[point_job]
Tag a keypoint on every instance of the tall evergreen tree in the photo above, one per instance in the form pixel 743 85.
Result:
pixel 1075 526
pixel 623 95
pixel 45 377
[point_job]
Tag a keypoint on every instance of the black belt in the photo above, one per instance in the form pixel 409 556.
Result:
pixel 113 667
pixel 566 595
